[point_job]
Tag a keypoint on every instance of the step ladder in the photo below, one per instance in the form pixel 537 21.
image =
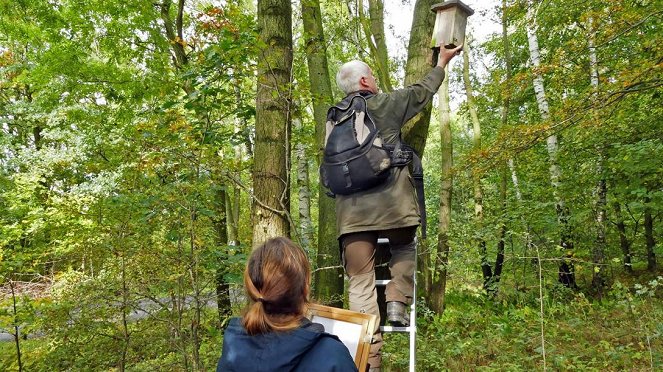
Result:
pixel 412 328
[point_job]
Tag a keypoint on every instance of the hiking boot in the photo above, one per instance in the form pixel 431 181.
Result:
pixel 397 314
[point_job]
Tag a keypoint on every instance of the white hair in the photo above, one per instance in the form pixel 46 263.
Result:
pixel 350 73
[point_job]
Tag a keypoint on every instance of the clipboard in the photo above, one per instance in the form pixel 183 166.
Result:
pixel 353 328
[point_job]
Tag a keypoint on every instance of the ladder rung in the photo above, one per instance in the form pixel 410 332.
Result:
pixel 396 329
pixel 382 282
pixel 383 241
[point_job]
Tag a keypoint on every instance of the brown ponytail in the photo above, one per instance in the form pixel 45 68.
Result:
pixel 277 280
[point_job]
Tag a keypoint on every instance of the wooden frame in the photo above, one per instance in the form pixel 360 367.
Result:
pixel 354 329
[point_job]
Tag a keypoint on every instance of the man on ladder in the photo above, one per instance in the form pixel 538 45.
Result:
pixel 392 209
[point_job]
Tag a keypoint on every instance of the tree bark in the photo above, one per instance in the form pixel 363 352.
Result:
pixel 649 236
pixel 271 203
pixel 304 191
pixel 415 132
pixel 499 261
pixel 439 276
pixel 476 179
pixel 624 244
pixel 222 287
pixel 566 272
pixel 376 16
pixel 17 331
pixel 174 32
pixel 598 252
pixel 328 280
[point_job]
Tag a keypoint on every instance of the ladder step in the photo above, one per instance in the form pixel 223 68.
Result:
pixel 383 241
pixel 382 282
pixel 397 329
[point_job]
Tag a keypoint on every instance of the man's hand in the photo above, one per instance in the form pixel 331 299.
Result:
pixel 447 54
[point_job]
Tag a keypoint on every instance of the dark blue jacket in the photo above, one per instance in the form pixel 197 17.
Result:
pixel 307 348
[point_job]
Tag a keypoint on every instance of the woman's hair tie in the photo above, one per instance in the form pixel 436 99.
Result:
pixel 261 299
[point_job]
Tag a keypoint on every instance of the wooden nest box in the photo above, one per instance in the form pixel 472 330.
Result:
pixel 450 21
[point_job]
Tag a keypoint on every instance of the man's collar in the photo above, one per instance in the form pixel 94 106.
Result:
pixel 363 93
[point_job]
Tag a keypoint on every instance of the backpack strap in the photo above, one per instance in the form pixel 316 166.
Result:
pixel 401 155
pixel 418 177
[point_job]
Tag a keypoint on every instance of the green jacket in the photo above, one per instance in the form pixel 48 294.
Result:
pixel 392 204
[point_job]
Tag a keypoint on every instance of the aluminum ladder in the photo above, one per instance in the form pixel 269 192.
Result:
pixel 412 328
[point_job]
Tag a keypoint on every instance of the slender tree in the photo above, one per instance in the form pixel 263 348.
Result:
pixel 373 27
pixel 305 229
pixel 598 252
pixel 650 242
pixel 506 101
pixel 624 243
pixel 476 178
pixel 438 278
pixel 329 275
pixel 567 275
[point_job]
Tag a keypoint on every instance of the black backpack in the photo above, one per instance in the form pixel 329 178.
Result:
pixel 354 158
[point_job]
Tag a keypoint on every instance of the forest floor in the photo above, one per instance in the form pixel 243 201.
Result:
pixel 621 332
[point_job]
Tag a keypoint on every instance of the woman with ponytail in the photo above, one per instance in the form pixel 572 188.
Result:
pixel 274 334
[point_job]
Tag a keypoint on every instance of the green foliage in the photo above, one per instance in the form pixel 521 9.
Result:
pixel 622 333
pixel 117 165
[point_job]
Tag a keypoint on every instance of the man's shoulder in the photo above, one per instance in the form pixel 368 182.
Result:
pixel 379 100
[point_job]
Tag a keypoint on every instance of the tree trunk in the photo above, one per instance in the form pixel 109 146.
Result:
pixel 232 202
pixel 649 236
pixel 233 194
pixel 440 263
pixel 125 312
pixel 17 331
pixel 304 191
pixel 174 33
pixel 476 179
pixel 328 279
pixel 376 15
pixel 222 287
pixel 566 271
pixel 415 132
pixel 499 260
pixel 624 244
pixel 271 203
pixel 598 252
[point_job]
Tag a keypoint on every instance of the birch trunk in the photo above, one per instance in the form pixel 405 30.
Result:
pixel 499 260
pixel 271 185
pixel 544 110
pixel 304 191
pixel 233 194
pixel 328 279
pixel 598 253
pixel 439 276
pixel 566 273
pixel 232 203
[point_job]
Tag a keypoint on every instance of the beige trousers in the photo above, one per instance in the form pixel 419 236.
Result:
pixel 359 262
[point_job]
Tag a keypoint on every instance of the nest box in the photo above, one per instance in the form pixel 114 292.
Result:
pixel 450 21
